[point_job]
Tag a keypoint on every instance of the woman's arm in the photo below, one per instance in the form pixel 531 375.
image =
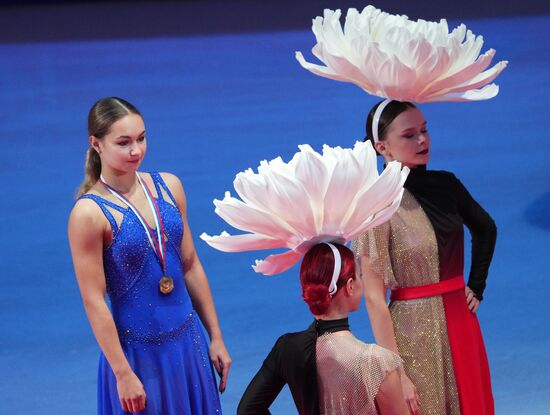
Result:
pixel 389 398
pixel 379 314
pixel 382 325
pixel 265 386
pixel 260 393
pixel 86 229
pixel 484 233
pixel 198 287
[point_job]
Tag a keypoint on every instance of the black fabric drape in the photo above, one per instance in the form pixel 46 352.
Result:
pixel 449 206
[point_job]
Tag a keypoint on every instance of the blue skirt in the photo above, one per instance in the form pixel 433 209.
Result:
pixel 175 370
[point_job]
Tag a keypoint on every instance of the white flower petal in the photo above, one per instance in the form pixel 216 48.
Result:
pixel 464 76
pixel 311 199
pixel 383 193
pixel 239 243
pixel 378 218
pixel 320 70
pixel 487 92
pixel 275 264
pixel 250 219
pixel 394 57
pixel 312 172
pixel 479 80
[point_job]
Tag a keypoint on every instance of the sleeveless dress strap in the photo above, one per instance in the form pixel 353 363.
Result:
pixel 103 203
pixel 159 182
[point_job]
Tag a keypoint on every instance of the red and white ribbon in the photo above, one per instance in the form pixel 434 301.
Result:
pixel 157 241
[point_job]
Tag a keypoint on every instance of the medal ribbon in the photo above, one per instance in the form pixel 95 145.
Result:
pixel 157 241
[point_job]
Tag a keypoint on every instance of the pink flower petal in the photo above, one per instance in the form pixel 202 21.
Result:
pixel 275 264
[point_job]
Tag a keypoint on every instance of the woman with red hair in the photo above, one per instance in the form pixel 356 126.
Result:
pixel 328 370
pixel 303 205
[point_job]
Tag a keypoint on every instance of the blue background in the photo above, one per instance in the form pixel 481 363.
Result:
pixel 215 105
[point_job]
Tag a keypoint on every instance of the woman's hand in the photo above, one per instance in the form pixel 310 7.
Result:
pixel 471 300
pixel 131 392
pixel 410 394
pixel 221 360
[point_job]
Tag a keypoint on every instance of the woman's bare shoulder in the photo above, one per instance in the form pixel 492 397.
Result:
pixel 86 212
pixel 174 185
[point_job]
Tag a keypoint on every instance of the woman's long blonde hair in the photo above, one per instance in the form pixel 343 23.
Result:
pixel 102 116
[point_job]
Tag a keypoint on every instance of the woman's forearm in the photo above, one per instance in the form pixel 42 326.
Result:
pixel 199 291
pixel 382 328
pixel 382 325
pixel 106 335
pixel 260 393
pixel 389 398
pixel 379 313
pixel 201 296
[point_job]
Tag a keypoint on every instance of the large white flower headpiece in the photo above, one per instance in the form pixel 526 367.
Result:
pixel 393 57
pixel 314 198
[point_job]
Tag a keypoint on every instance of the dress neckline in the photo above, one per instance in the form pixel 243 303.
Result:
pixel 331 326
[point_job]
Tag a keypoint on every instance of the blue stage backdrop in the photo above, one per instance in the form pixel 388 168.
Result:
pixel 216 105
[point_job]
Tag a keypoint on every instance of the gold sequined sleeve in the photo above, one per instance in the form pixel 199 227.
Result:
pixel 374 246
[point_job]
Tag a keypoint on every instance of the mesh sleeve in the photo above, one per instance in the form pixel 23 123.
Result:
pixel 377 363
pixel 373 247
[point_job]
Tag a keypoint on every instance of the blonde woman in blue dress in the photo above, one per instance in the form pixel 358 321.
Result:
pixel 130 239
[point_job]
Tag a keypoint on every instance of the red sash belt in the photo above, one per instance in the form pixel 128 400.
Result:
pixel 470 364
pixel 428 290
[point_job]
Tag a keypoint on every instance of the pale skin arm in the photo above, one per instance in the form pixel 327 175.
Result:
pixel 87 227
pixel 389 398
pixel 198 287
pixel 382 326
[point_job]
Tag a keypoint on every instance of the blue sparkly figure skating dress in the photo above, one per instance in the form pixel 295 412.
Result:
pixel 160 333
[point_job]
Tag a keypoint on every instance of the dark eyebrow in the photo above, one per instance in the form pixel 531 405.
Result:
pixel 127 136
pixel 413 128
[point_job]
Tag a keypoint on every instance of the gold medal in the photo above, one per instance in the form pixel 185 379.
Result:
pixel 166 284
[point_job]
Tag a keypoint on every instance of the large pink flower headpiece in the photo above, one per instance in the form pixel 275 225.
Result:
pixel 330 197
pixel 393 57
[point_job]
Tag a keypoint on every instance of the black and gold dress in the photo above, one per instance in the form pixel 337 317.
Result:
pixel 420 255
pixel 327 369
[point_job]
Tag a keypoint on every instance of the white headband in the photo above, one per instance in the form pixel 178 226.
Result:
pixel 376 118
pixel 332 288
